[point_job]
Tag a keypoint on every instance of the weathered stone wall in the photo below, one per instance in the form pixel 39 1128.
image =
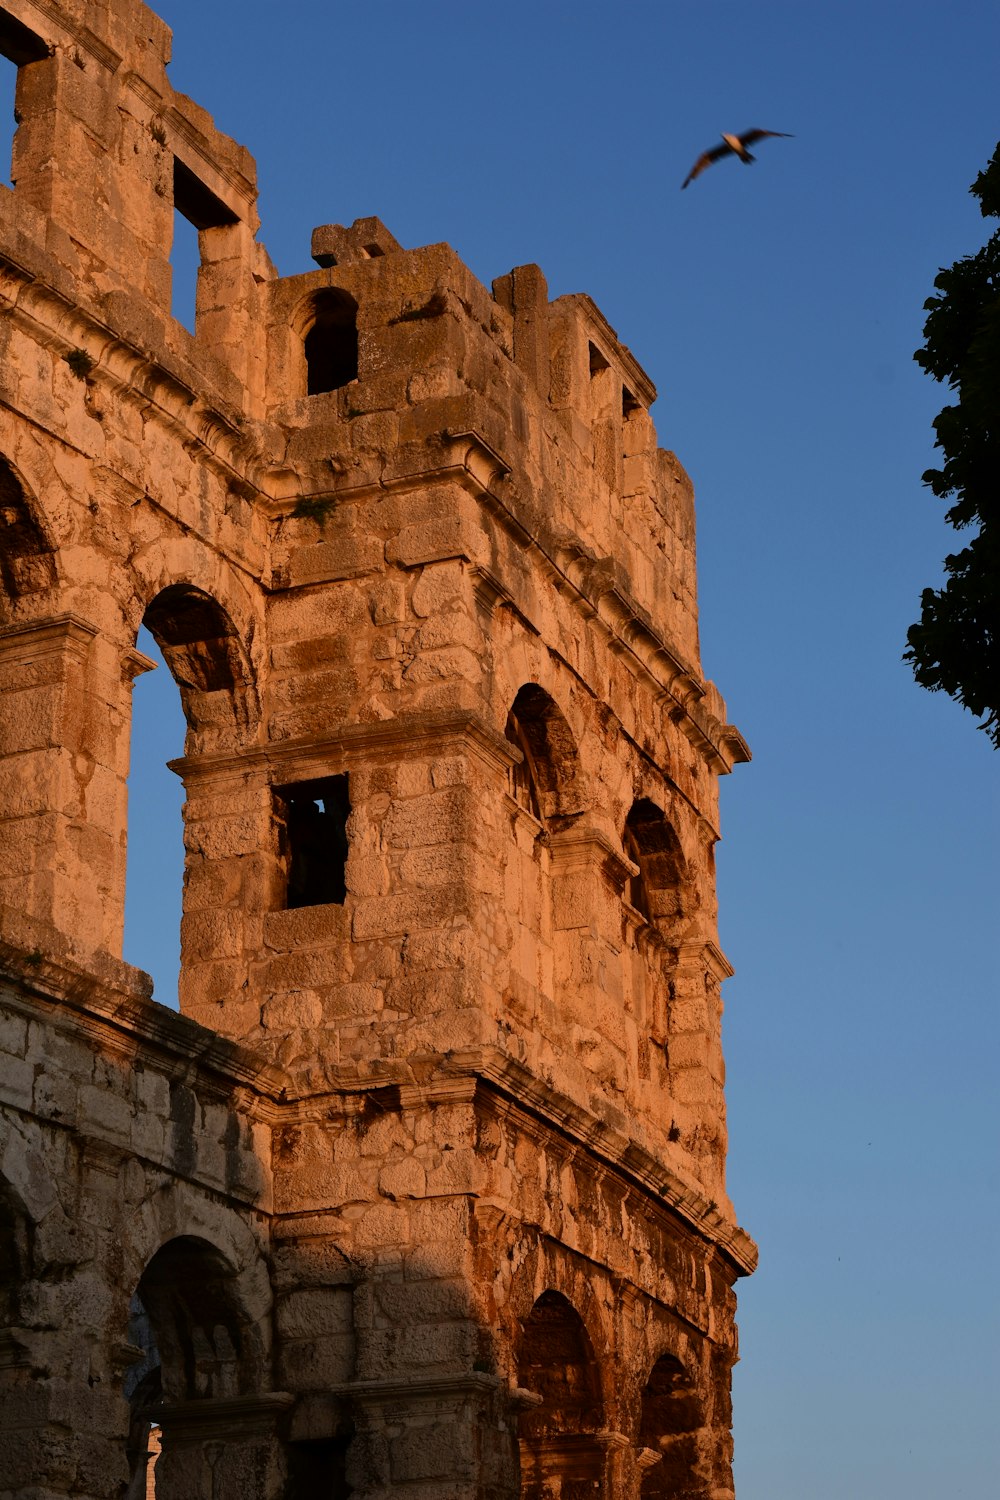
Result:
pixel 423 1192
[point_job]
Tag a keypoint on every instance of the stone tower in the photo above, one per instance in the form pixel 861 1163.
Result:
pixel 422 1193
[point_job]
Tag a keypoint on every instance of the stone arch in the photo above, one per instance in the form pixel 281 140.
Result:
pixel 188 1300
pixel 328 325
pixel 559 1434
pixel 200 1343
pixel 207 658
pixel 670 1420
pixel 546 781
pixel 22 1400
pixel 27 553
pixel 662 888
pixel 16 1232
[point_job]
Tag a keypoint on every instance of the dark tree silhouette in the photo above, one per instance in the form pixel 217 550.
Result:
pixel 956 642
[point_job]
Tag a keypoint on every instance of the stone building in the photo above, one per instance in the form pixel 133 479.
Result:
pixel 421 1194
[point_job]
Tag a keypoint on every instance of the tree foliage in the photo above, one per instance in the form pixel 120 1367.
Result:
pixel 955 644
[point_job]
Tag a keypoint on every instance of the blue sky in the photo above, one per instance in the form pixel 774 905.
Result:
pixel 777 309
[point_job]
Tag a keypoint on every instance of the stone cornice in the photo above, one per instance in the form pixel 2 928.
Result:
pixel 303 759
pixel 554 1111
pixel 34 638
pixel 118 1018
pixel 51 22
pixel 116 1012
pixel 701 1214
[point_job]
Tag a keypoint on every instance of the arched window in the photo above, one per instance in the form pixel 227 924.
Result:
pixel 27 565
pixel 331 345
pixel 22 1403
pixel 669 1423
pixel 557 1437
pixel 14 1255
pixel 544 782
pixel 660 889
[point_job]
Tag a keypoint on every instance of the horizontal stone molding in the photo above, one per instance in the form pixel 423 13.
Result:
pixel 437 732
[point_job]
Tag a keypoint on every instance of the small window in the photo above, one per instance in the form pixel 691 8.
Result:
pixel 331 345
pixel 312 817
pixel 630 406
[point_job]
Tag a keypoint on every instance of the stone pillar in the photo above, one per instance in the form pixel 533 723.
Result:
pixel 525 294
pixel 63 762
pixel 694 1040
pixel 588 880
pixel 227 317
pixel 436 1435
pixel 225 1449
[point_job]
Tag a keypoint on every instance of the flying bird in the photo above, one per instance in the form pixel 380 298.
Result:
pixel 732 145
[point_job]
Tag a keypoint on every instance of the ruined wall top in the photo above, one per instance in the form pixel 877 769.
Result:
pixel 106 151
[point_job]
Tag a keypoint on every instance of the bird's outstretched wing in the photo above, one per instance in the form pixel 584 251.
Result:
pixel 749 136
pixel 705 160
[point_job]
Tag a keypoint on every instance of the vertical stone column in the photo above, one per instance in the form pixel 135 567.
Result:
pixel 63 761
pixel 87 155
pixel 694 1043
pixel 588 879
pixel 525 294
pixel 441 1435
pixel 225 1449
pixel 227 315
pixel 231 880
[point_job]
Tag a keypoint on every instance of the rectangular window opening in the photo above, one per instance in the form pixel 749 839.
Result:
pixel 196 209
pixel 18 46
pixel 185 262
pixel 312 818
pixel 597 361
pixel 8 119
pixel 630 406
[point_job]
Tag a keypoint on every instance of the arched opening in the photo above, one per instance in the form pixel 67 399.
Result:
pixel 27 564
pixel 154 875
pixel 203 701
pixel 197 1344
pixel 560 1454
pixel 660 889
pixel 544 781
pixel 14 1259
pixel 22 1402
pixel 206 657
pixel 331 344
pixel 668 1426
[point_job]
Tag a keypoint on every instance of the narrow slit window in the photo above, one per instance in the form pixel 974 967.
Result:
pixel 312 817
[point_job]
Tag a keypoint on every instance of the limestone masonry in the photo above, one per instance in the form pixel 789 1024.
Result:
pixel 422 1193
